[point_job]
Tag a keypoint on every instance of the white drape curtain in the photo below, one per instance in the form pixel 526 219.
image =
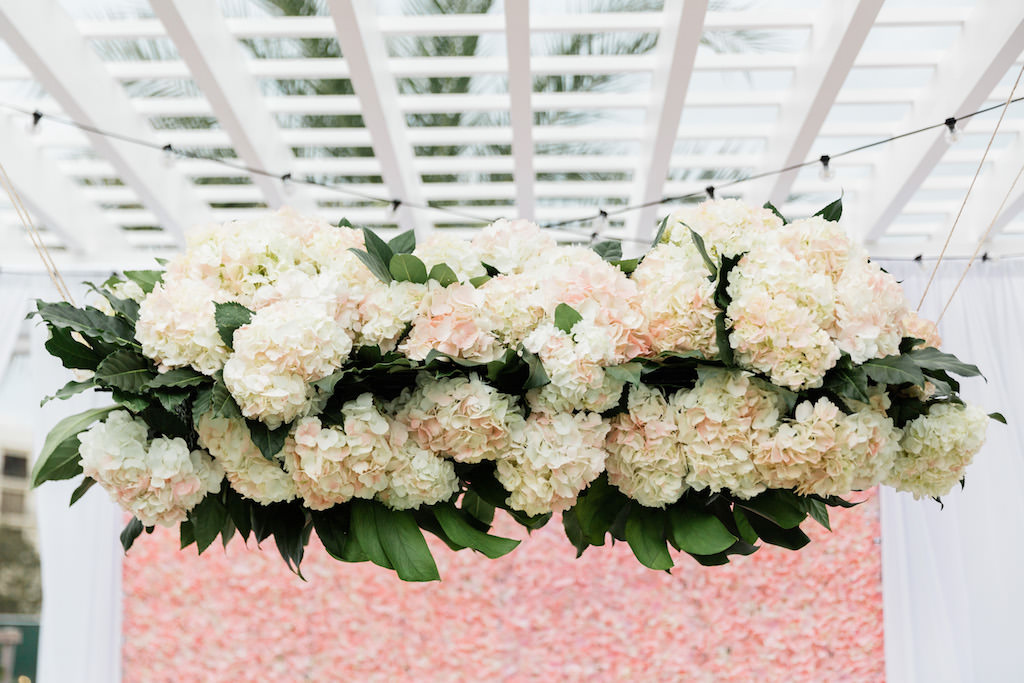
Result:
pixel 80 556
pixel 953 595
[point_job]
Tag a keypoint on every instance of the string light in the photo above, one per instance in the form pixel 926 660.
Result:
pixel 395 205
pixel 826 173
pixel 710 189
pixel 287 186
pixel 170 156
pixel 952 133
pixel 32 127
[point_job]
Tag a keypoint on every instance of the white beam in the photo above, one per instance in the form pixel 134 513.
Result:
pixel 45 39
pixel 520 91
pixel 362 46
pixel 51 197
pixel 990 42
pixel 677 50
pixel 990 190
pixel 217 64
pixel 835 43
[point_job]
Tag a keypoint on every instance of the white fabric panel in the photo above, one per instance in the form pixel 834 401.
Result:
pixel 951 577
pixel 80 636
pixel 14 292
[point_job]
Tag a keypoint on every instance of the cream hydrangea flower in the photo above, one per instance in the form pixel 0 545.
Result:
pixel 331 465
pixel 460 255
pixel 158 481
pixel 937 448
pixel 459 417
pixel 728 227
pixel 913 325
pixel 511 246
pixel 555 458
pixel 821 244
pixel 248 472
pixel 677 300
pixel 176 328
pixel 387 311
pixel 574 362
pixel 417 476
pixel 723 422
pixel 780 312
pixel 454 321
pixel 516 304
pixel 645 458
pixel 870 308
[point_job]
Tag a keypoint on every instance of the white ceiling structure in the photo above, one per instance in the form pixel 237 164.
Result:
pixel 717 93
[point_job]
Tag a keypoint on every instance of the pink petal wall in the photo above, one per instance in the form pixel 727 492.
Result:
pixel 535 615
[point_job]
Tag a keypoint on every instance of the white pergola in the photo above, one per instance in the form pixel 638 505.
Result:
pixel 825 76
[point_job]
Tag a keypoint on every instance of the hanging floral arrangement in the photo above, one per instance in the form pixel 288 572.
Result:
pixel 285 376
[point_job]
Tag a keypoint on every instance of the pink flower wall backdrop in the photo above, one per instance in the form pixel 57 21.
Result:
pixel 534 615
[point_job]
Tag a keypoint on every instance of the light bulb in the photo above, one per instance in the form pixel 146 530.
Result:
pixel 169 155
pixel 287 186
pixel 952 133
pixel 32 127
pixel 825 172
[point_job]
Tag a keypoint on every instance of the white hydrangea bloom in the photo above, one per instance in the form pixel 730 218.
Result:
pixel 870 308
pixel 248 472
pixel 453 320
pixel 516 304
pixel 557 456
pixel 177 328
pixel 287 345
pixel 458 254
pixel 723 421
pixel 387 311
pixel 937 448
pixel 645 458
pixel 677 300
pixel 574 362
pixel 158 481
pixel 823 245
pixel 780 312
pixel 728 227
pixel 418 477
pixel 331 465
pixel 459 417
pixel 511 246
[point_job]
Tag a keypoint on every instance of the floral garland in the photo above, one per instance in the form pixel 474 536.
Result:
pixel 285 376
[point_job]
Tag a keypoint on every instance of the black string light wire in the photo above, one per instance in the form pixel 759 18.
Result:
pixel 601 215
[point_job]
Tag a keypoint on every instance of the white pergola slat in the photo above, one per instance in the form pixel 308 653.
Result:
pixel 677 48
pixel 835 43
pixel 53 197
pixel 991 42
pixel 362 46
pixel 992 187
pixel 520 93
pixel 217 64
pixel 45 39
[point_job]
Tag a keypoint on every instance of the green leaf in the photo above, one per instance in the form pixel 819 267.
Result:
pixel 817 509
pixel 847 380
pixel 479 280
pixel 207 520
pixel 239 511
pixel 403 243
pixel 364 530
pixel 222 403
pixel 894 370
pixel 178 378
pixel 458 528
pixel 573 531
pixel 746 531
pixel 229 317
pixel 72 353
pixel 407 268
pixel 202 404
pixel 722 296
pixel 186 535
pixel 125 370
pixel 59 454
pixel 566 317
pixel 131 531
pixel 932 359
pixel 404 545
pixel 781 507
pixel 374 264
pixel 698 532
pixel 998 417
pixel 77 494
pixel 332 528
pixel 627 372
pixel 288 523
pixel 610 250
pixel 89 321
pixel 597 508
pixel 538 376
pixel 377 247
pixel 146 279
pixel 645 533
pixel 771 207
pixel 345 223
pixel 725 351
pixel 269 441
pixel 662 225
pixel 490 270
pixel 832 212
pixel 698 242
pixel 478 508
pixel 70 389
pixel 133 402
pixel 444 274
pixel 792 539
pixel 627 266
pixel 127 308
